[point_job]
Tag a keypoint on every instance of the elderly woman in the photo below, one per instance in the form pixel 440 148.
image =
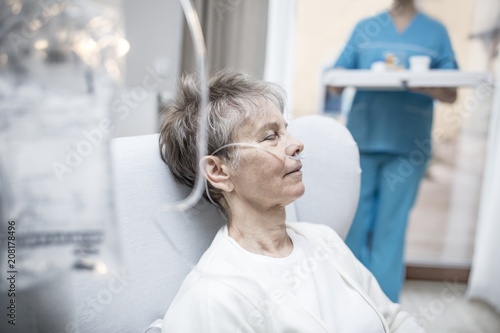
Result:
pixel 261 274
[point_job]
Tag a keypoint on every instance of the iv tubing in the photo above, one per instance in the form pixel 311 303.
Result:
pixel 194 25
pixel 201 55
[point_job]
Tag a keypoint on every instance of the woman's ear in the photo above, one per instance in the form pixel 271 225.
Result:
pixel 216 172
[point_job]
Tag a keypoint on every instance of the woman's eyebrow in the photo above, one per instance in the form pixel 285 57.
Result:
pixel 272 125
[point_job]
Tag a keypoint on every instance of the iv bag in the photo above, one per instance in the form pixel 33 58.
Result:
pixel 57 81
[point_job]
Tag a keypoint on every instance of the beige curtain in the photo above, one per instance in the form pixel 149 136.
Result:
pixel 235 33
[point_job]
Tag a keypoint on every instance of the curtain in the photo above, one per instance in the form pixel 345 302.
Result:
pixel 280 46
pixel 235 34
pixel 485 272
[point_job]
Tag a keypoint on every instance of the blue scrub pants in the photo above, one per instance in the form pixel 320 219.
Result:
pixel 389 186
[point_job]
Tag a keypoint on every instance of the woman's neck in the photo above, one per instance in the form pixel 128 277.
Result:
pixel 261 232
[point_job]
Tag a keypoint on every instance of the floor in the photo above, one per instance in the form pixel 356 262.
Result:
pixel 441 307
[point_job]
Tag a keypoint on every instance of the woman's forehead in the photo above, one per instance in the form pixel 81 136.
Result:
pixel 269 118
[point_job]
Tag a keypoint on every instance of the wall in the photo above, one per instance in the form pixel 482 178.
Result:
pixel 154 30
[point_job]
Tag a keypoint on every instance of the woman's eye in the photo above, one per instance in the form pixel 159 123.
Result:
pixel 270 137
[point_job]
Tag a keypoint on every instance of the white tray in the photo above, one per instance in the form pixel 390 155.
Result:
pixel 403 79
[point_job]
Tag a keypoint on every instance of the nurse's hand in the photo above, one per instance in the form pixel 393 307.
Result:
pixel 335 90
pixel 445 95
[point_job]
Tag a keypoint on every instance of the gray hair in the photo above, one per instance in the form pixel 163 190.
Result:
pixel 234 99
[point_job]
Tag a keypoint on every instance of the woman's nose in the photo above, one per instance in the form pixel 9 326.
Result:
pixel 294 147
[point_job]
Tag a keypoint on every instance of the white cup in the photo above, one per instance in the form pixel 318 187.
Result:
pixel 420 63
pixel 378 66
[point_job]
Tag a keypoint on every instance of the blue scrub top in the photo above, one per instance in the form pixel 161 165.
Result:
pixel 394 121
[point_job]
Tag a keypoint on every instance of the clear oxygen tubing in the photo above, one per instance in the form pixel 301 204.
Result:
pixel 296 157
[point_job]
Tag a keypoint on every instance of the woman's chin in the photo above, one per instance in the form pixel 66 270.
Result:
pixel 297 193
pixel 302 190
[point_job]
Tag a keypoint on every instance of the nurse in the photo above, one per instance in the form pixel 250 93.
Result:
pixel 393 132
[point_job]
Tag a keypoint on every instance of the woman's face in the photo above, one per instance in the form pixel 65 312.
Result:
pixel 265 179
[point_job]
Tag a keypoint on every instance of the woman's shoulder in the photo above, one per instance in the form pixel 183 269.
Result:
pixel 323 237
pixel 214 271
pixel 215 258
pixel 326 240
pixel 208 304
pixel 315 231
pixel 310 227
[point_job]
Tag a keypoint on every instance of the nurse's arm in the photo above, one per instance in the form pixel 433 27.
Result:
pixel 445 95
